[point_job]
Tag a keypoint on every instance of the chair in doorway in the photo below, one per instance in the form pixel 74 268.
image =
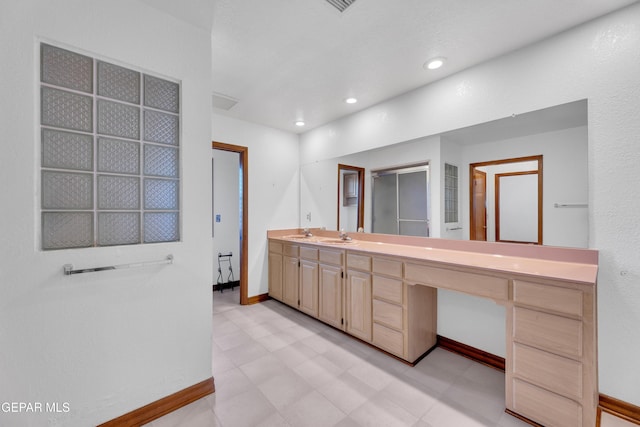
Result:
pixel 225 260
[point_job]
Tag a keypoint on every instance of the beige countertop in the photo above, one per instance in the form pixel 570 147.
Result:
pixel 567 264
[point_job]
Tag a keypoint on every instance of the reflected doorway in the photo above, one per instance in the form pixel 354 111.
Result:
pixel 479 209
pixel 506 200
pixel 350 198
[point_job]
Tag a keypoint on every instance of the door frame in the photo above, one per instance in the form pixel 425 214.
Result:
pixel 473 232
pixel 244 242
pixel 538 158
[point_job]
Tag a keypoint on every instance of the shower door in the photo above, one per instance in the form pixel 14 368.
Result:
pixel 401 201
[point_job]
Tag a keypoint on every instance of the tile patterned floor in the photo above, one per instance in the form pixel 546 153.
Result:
pixel 274 366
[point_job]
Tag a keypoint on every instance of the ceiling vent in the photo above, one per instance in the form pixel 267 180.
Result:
pixel 223 102
pixel 341 5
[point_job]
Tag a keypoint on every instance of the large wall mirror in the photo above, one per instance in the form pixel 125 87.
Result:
pixel 559 134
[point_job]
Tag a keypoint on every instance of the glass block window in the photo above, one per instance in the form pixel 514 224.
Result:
pixel 110 149
pixel 450 193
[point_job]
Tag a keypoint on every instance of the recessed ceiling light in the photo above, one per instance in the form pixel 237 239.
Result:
pixel 299 123
pixel 434 63
pixel 351 100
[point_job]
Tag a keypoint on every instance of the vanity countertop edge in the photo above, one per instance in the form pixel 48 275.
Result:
pixel 544 262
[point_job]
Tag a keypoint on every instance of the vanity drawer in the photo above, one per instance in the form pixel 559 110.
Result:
pixel 291 250
pixel 549 332
pixel 561 300
pixel 331 257
pixel 387 267
pixel 387 314
pixel 308 253
pixel 553 372
pixel 359 262
pixel 388 289
pixel 275 247
pixel 545 407
pixel 495 288
pixel 388 339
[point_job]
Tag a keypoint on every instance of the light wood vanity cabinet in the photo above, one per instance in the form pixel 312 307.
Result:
pixel 275 270
pixel 551 369
pixel 330 293
pixel 308 297
pixel 309 279
pixel 290 275
pixel 358 296
pixel 404 316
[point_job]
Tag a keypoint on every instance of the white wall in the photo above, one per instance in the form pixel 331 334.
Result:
pixel 107 342
pixel 599 61
pixel 226 203
pixel 274 187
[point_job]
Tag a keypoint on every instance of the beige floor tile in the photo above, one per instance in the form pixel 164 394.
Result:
pixel 313 410
pixel 381 411
pixel 245 409
pixel 318 371
pixel 414 397
pixel 295 354
pixel 347 392
pixel 284 390
pixel 443 414
pixel 371 375
pixel 264 368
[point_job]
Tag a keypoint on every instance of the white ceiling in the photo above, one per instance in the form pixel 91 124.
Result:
pixel 285 60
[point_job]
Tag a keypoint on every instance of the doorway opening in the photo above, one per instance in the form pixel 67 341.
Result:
pixel 243 191
pixel 506 200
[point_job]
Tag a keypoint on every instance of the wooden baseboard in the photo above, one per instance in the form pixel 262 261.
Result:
pixel 161 407
pixel 618 408
pixel 472 353
pixel 258 298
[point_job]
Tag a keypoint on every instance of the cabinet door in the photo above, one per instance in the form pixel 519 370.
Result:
pixel 309 287
pixel 275 276
pixel 351 185
pixel 330 295
pixel 358 305
pixel 290 281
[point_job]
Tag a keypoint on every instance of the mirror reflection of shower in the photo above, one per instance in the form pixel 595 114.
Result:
pixel 401 201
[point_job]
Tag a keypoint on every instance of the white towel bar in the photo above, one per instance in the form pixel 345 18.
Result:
pixel 68 268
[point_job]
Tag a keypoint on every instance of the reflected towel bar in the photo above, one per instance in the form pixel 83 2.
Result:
pixel 570 205
pixel 68 268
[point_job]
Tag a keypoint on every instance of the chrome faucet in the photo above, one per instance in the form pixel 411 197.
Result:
pixel 307 232
pixel 344 236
